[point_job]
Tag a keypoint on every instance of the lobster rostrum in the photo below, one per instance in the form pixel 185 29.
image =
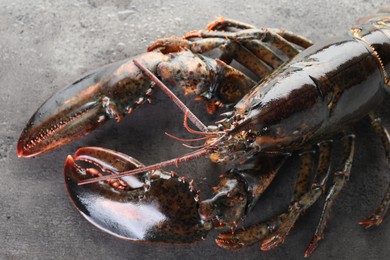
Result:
pixel 298 107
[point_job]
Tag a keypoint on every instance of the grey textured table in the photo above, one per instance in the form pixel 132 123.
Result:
pixel 44 46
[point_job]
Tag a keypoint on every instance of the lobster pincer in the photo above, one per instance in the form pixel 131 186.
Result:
pixel 155 206
pixel 85 105
pixel 116 90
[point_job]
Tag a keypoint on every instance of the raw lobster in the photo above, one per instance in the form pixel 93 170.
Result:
pixel 299 108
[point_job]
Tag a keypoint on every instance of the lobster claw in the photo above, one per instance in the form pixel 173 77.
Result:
pixel 109 92
pixel 156 207
pixel 68 114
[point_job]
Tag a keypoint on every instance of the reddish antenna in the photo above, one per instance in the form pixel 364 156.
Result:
pixel 187 157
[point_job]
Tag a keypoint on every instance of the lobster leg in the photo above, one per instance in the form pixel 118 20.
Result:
pixel 248 59
pixel 304 196
pixel 224 24
pixel 239 190
pixel 377 216
pixel 268 56
pixel 253 55
pixel 283 222
pixel 249 235
pixel 243 36
pixel 340 179
pixel 305 172
pixel 256 47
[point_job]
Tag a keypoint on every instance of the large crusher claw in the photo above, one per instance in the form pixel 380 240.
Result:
pixel 151 207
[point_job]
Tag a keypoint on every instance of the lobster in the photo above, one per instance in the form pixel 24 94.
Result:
pixel 299 106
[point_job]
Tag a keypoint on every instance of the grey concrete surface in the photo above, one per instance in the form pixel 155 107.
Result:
pixel 45 45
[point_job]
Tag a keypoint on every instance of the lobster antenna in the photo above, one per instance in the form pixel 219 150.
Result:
pixel 194 147
pixel 188 140
pixel 213 143
pixel 194 119
pixel 184 158
pixel 192 131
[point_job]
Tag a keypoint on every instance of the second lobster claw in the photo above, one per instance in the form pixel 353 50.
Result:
pixel 158 207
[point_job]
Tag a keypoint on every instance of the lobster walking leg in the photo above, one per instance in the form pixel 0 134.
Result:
pixel 340 179
pixel 305 172
pixel 230 51
pixel 248 59
pixel 303 198
pixel 256 47
pixel 267 55
pixel 377 216
pixel 224 24
pixel 238 191
pixel 253 234
pixel 252 54
pixel 263 35
pixel 249 235
pixel 279 235
pixel 282 223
